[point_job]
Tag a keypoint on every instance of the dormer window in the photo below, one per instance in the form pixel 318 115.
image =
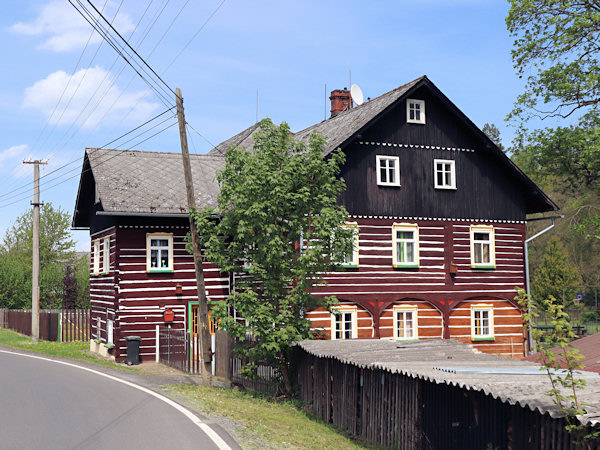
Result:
pixel 388 170
pixel 415 111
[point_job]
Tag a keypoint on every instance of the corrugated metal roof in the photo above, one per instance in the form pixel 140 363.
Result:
pixel 152 182
pixel 494 375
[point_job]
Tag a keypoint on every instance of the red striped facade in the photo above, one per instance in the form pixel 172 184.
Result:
pixel 135 300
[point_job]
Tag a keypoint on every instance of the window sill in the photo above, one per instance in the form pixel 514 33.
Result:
pixel 416 122
pixel 407 266
pixel 479 339
pixel 445 188
pixel 406 340
pixel 159 271
pixel 349 266
pixel 388 184
pixel 100 274
pixel 483 267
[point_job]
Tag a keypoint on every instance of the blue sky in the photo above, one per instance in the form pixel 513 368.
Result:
pixel 287 51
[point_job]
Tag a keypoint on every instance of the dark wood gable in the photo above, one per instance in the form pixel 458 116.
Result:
pixel 487 186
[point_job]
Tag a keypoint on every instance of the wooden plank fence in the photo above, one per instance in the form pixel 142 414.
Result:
pixel 392 410
pixel 55 325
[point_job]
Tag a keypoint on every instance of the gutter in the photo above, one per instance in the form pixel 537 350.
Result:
pixel 527 283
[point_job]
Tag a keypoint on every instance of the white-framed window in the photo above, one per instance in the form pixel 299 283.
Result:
pixel 483 248
pixel 159 252
pixel 482 322
pixel 405 245
pixel 444 173
pixel 344 323
pixel 415 111
pixel 96 256
pixel 388 170
pixel 406 324
pixel 350 259
pixel 105 255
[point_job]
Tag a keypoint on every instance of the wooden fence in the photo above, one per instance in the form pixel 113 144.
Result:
pixel 55 325
pixel 176 348
pixel 392 410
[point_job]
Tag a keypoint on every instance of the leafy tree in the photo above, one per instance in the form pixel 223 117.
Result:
pixel 279 220
pixel 557 46
pixel 69 289
pixel 56 251
pixel 82 275
pixel 493 133
pixel 555 276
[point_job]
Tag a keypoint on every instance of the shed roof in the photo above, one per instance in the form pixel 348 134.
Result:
pixel 152 182
pixel 588 346
pixel 453 363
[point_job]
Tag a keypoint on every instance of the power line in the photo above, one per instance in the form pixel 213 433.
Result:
pixel 194 36
pixel 28 185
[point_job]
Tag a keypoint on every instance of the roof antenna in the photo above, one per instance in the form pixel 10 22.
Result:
pixel 325 103
pixel 350 106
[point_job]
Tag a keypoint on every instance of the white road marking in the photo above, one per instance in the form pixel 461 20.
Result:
pixel 219 442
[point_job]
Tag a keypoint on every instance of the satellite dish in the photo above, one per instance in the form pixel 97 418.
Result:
pixel 356 94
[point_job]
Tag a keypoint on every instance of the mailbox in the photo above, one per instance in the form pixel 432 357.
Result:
pixel 169 315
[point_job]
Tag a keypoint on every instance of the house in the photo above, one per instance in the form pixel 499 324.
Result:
pixel 588 347
pixel 439 210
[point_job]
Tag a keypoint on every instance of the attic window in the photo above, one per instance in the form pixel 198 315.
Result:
pixel 388 170
pixel 415 111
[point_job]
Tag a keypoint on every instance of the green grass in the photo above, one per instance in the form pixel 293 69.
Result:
pixel 71 350
pixel 262 422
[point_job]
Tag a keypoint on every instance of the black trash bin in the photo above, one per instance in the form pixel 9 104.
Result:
pixel 133 350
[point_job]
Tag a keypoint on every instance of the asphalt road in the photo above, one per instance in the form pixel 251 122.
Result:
pixel 48 405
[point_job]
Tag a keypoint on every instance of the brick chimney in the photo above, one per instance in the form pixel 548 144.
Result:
pixel 340 101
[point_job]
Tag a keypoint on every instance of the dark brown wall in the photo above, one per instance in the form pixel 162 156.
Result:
pixel 485 187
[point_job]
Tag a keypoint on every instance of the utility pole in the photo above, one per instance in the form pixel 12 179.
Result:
pixel 202 322
pixel 35 265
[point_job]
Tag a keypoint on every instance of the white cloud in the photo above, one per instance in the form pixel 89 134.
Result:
pixel 64 29
pixel 11 153
pixel 80 87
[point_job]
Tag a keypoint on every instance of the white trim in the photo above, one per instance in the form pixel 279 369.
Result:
pixel 452 172
pixel 482 308
pixel 427 147
pixel 96 256
pixel 414 309
pixel 402 227
pixel 491 264
pixel 418 107
pixel 344 309
pixel 149 237
pixel 356 245
pixel 396 170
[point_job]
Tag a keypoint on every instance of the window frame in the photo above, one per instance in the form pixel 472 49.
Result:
pixel 452 164
pixel 105 255
pixel 396 159
pixel 490 336
pixel 416 256
pixel 170 267
pixel 415 321
pixel 354 263
pixel 340 310
pixel 489 229
pixel 421 103
pixel 96 257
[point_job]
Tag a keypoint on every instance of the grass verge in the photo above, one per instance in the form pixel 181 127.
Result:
pixel 260 422
pixel 70 350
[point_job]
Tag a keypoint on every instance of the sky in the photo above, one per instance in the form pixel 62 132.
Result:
pixel 64 89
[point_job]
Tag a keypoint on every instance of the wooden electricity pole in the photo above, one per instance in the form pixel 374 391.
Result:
pixel 202 322
pixel 35 261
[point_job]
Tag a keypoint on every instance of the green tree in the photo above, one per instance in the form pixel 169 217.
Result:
pixel 556 48
pixel 493 133
pixel 556 275
pixel 56 252
pixel 278 228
